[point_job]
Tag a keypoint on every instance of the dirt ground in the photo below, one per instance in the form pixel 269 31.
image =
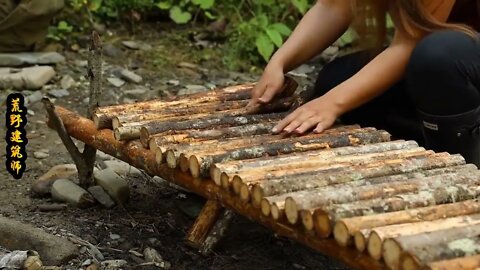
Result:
pixel 157 215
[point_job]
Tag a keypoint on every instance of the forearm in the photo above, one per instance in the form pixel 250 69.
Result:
pixel 324 23
pixel 375 78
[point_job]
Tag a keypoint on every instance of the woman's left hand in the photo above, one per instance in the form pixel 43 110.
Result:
pixel 319 113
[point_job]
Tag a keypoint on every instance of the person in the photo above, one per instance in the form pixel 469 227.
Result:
pixel 425 85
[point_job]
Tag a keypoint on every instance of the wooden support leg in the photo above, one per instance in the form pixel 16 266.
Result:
pixel 204 223
pixel 217 232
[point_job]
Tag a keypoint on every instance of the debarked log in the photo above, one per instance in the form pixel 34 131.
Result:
pixel 200 164
pixel 204 223
pixel 465 263
pixel 411 247
pixel 311 199
pixel 379 235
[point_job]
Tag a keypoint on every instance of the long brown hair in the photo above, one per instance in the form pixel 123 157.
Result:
pixel 409 16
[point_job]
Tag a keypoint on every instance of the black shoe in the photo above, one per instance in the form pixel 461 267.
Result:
pixel 455 134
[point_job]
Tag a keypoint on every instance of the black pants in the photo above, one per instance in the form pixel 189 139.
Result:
pixel 442 78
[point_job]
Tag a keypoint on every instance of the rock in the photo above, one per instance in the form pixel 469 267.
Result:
pixel 93 266
pixel 87 262
pixel 59 93
pixel 31 112
pixel 66 191
pixel 121 168
pixel 113 51
pixel 114 236
pixel 136 45
pixel 40 155
pixel 33 263
pixel 135 93
pixel 151 255
pixel 187 65
pixel 192 89
pixel 113 184
pixel 33 98
pixel 211 86
pixel 113 264
pixel 53 250
pixel 43 184
pixel 330 52
pixel 136 253
pixel 101 155
pixel 30 58
pixel 27 78
pixel 101 196
pixel 130 76
pixel 81 63
pixel 67 82
pixel 302 71
pixel 13 260
pixel 174 82
pixel 116 81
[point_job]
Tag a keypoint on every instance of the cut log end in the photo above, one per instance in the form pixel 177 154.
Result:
pixel 265 207
pixel 291 210
pixel 374 246
pixel 184 164
pixel 276 211
pixel 257 195
pixel 322 224
pixel 194 165
pixel 171 158
pixel 409 262
pixel 307 219
pixel 159 157
pixel 341 234
pixel 225 181
pixel 391 253
pixel 117 134
pixel 245 193
pixel 116 122
pixel 100 122
pixel 236 184
pixel 360 241
pixel 152 144
pixel 144 132
pixel 216 175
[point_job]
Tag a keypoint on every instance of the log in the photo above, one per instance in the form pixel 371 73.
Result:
pixel 217 232
pixel 315 198
pixel 394 170
pixel 200 164
pixel 203 224
pixel 133 153
pixel 324 218
pixel 409 246
pixel 360 238
pixel 465 263
pixel 378 235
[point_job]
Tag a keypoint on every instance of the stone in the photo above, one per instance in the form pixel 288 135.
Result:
pixel 13 260
pixel 130 76
pixel 33 98
pixel 114 236
pixel 64 190
pixel 30 58
pixel 151 255
pixel 136 45
pixel 192 89
pixel 113 264
pixel 173 82
pixel 101 196
pixel 87 262
pixel 59 93
pixel 135 93
pixel 40 155
pixel 53 250
pixel 27 78
pixel 93 266
pixel 81 63
pixel 116 81
pixel 113 51
pixel 113 184
pixel 33 263
pixel 67 82
pixel 43 184
pixel 121 168
pixel 101 155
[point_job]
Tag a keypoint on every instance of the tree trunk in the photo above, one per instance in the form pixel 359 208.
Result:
pixel 310 199
pixel 199 165
pixel 466 263
pixel 204 223
pixel 325 217
pixel 411 246
pixel 378 235
pixel 400 169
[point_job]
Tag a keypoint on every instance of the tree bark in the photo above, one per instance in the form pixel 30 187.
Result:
pixel 204 223
pixel 347 227
pixel 200 164
pixel 412 247
pixel 311 199
pixel 394 170
pixel 466 263
pixel 378 235
pixel 217 232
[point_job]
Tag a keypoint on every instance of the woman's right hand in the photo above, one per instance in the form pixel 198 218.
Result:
pixel 269 85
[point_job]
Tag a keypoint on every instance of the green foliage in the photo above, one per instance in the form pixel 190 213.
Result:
pixel 60 31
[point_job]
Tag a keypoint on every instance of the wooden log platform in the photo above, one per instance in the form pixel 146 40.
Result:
pixel 350 181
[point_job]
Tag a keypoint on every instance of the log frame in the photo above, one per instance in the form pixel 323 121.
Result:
pixel 203 224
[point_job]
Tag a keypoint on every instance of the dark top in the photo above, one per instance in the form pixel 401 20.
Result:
pixel 467 12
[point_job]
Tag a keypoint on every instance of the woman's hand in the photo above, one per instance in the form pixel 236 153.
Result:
pixel 319 114
pixel 270 84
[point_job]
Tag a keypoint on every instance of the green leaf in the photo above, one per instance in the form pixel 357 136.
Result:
pixel 209 15
pixel 264 46
pixel 301 5
pixel 94 5
pixel 64 26
pixel 204 4
pixel 348 37
pixel 179 16
pixel 281 28
pixel 262 20
pixel 275 37
pixel 164 5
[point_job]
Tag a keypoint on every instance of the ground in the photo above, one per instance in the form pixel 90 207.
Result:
pixel 158 215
